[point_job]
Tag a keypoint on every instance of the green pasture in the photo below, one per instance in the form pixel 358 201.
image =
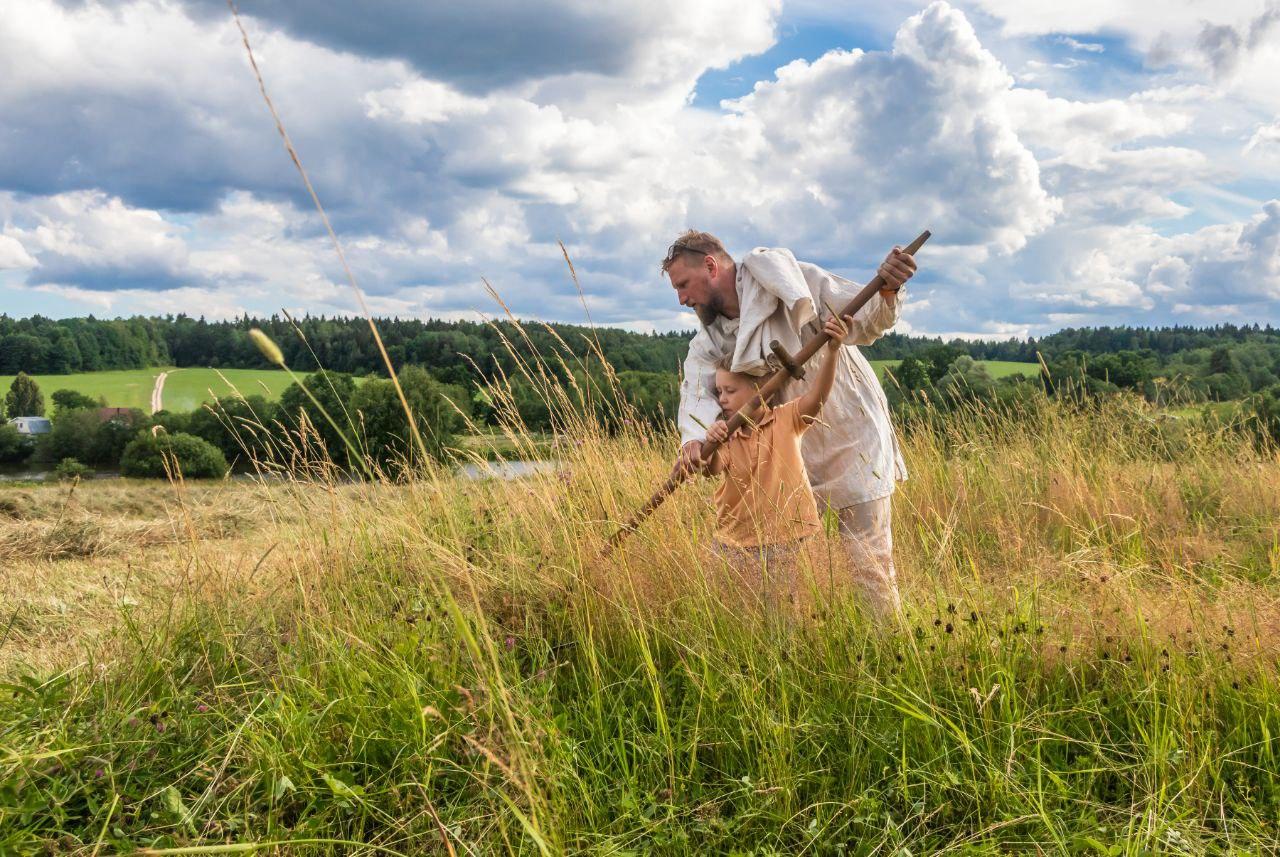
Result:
pixel 997 368
pixel 184 389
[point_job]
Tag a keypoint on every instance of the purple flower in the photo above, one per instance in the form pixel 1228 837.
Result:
pixel 511 643
pixel 202 708
pixel 99 773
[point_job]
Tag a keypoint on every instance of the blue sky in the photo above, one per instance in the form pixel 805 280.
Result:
pixel 1079 164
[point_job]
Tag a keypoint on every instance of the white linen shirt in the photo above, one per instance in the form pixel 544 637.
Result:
pixel 851 454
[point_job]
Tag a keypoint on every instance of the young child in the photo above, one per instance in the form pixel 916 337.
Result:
pixel 765 508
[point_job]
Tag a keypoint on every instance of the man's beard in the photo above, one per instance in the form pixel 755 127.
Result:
pixel 710 311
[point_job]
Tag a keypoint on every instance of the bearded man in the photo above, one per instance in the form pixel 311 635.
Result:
pixel 852 455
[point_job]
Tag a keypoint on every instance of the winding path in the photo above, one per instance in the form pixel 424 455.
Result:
pixel 157 393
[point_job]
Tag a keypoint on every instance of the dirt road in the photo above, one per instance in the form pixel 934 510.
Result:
pixel 157 393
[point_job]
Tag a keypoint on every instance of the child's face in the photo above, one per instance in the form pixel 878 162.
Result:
pixel 733 390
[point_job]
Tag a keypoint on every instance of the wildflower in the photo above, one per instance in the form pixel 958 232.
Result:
pixel 950 629
pixel 99 773
pixel 202 708
pixel 511 643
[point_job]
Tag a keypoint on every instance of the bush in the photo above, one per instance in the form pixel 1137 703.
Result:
pixel 85 436
pixel 333 390
pixel 69 468
pixel 14 448
pixel 386 435
pixel 73 400
pixel 153 456
pixel 240 427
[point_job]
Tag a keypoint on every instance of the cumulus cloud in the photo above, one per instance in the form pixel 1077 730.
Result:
pixel 13 256
pixel 93 241
pixel 654 44
pixel 138 167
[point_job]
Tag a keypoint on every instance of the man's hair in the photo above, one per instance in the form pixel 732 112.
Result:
pixel 693 246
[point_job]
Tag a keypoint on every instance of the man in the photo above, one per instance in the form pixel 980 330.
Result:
pixel 852 458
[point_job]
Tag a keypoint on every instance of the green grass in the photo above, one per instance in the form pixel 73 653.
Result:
pixel 997 368
pixel 1087 666
pixel 126 388
pixel 184 389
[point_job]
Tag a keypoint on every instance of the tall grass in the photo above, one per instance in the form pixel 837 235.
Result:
pixel 1086 663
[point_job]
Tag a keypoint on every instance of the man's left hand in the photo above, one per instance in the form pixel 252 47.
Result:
pixel 896 269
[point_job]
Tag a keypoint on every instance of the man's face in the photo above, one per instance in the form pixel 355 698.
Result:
pixel 693 285
pixel 733 391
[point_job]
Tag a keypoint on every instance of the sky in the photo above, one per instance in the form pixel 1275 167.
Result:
pixel 1086 163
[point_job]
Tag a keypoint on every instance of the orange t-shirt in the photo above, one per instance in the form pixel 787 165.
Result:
pixel 765 497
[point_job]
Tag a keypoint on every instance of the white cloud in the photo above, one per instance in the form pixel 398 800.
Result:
pixel 13 256
pixel 139 167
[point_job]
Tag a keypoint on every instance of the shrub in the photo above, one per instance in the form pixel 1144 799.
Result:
pixel 240 427
pixel 14 448
pixel 69 468
pixel 333 390
pixel 73 400
pixel 85 436
pixel 385 428
pixel 153 456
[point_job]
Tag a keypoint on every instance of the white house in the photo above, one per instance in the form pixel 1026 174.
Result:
pixel 31 425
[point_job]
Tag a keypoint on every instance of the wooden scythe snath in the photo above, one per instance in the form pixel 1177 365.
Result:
pixel 792 367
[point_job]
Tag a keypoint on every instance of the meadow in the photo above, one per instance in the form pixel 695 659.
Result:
pixel 1086 662
pixel 184 389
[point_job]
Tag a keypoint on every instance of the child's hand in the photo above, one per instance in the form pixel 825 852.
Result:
pixel 719 432
pixel 837 328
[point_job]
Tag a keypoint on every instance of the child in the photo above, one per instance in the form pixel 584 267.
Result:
pixel 765 508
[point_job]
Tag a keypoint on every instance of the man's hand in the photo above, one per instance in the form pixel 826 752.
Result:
pixel 689 460
pixel 896 269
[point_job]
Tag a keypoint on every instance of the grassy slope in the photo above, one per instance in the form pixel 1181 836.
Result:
pixel 1087 665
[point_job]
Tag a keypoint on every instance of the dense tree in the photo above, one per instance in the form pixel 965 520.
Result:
pixel 385 434
pixel 24 398
pixel 966 379
pixel 163 455
pixel 243 428
pixel 73 400
pixel 14 447
pixel 327 417
pixel 911 374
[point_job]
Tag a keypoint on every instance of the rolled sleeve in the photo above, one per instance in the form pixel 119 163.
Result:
pixel 697 391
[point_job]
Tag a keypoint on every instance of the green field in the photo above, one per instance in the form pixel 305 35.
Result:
pixel 997 368
pixel 184 389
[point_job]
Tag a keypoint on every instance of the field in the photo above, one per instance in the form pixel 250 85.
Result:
pixel 184 389
pixel 996 368
pixel 1086 663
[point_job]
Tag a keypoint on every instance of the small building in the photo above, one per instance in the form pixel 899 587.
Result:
pixel 31 425
pixel 105 414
